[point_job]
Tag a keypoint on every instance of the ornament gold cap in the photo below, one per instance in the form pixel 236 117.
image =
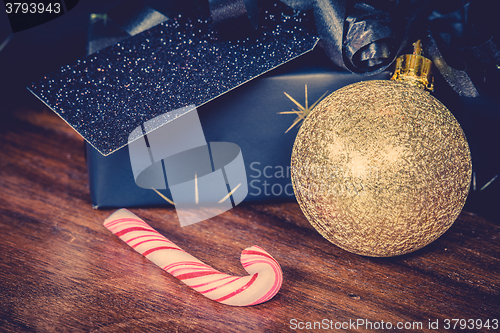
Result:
pixel 414 69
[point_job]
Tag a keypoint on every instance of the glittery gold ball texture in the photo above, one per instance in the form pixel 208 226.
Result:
pixel 381 168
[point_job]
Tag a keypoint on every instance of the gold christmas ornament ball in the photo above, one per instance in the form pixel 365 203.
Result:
pixel 381 168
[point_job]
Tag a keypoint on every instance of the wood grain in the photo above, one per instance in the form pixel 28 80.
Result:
pixel 61 270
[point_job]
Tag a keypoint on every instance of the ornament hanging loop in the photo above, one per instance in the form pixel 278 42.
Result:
pixel 414 69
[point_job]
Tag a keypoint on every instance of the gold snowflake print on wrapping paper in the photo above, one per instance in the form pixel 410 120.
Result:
pixel 303 111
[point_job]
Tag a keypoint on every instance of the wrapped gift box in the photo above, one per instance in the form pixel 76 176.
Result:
pixel 247 116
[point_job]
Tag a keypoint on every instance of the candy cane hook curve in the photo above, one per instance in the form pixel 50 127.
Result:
pixel 261 285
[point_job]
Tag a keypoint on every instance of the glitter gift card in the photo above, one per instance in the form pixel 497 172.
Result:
pixel 181 62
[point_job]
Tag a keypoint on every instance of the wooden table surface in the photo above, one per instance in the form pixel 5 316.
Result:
pixel 61 270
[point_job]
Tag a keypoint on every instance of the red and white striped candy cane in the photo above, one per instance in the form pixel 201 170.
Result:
pixel 261 285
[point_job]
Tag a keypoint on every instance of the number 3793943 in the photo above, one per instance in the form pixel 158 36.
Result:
pixel 470 324
pixel 32 8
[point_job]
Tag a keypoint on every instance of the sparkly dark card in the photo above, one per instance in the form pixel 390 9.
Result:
pixel 181 62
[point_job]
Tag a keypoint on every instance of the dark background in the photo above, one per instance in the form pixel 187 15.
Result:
pixel 35 52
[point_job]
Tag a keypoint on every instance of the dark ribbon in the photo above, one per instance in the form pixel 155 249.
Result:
pixel 360 38
pixel 463 47
pixel 365 38
pixel 457 78
pixel 234 18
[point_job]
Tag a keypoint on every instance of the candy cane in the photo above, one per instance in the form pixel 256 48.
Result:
pixel 263 283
